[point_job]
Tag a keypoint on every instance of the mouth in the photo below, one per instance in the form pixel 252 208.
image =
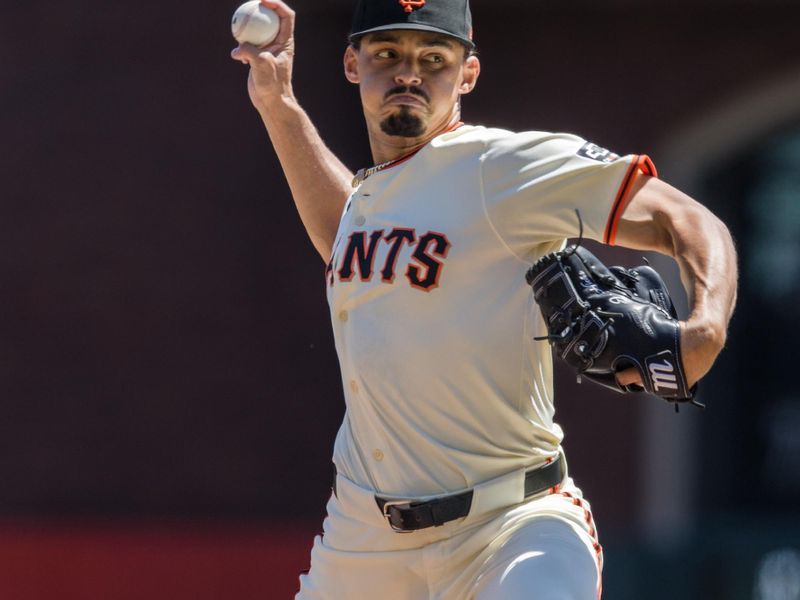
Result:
pixel 406 100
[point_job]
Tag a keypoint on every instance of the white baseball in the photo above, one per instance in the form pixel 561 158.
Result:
pixel 254 23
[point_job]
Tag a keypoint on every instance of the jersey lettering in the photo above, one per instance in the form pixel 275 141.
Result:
pixel 396 237
pixel 432 266
pixel 422 271
pixel 355 249
pixel 329 270
pixel 329 267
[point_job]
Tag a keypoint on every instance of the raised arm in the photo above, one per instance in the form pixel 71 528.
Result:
pixel 661 218
pixel 319 182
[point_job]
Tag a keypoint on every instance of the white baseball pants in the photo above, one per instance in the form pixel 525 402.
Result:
pixel 541 549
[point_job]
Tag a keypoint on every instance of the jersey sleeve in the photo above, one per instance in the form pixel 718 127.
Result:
pixel 533 182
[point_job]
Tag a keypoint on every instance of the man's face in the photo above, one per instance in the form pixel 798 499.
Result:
pixel 410 81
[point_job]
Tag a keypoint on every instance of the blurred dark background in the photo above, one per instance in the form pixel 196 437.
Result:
pixel 169 391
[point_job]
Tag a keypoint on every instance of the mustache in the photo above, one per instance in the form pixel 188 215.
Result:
pixel 407 89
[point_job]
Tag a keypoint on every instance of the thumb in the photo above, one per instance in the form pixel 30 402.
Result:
pixel 630 376
pixel 246 53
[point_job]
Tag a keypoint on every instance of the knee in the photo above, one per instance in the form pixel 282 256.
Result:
pixel 554 571
pixel 546 582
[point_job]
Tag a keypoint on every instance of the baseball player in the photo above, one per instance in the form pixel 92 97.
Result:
pixel 451 481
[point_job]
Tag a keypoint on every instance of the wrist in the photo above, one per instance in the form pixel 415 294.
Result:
pixel 701 343
pixel 704 332
pixel 278 105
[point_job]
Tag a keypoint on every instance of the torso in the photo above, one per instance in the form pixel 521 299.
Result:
pixel 433 324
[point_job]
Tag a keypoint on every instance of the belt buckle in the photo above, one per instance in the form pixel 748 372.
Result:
pixel 398 503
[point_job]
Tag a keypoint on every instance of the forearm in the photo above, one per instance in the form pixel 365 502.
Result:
pixel 663 219
pixel 705 253
pixel 319 182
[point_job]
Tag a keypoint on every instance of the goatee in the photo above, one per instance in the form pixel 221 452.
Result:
pixel 403 124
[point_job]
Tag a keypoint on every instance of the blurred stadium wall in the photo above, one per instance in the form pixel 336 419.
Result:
pixel 169 392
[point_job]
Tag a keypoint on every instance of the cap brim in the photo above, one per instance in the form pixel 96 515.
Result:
pixel 413 27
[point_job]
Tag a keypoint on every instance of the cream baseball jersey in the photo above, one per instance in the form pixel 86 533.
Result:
pixel 433 321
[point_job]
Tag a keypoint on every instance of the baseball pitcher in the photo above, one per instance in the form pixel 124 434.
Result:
pixel 450 289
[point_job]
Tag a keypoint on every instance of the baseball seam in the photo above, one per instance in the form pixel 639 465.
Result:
pixel 245 20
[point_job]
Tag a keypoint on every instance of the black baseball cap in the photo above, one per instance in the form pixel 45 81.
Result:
pixel 450 17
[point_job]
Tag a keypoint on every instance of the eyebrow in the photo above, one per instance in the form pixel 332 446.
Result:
pixel 428 42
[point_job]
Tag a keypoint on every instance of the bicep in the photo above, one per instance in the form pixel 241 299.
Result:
pixel 654 214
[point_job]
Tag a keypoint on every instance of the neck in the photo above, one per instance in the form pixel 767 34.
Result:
pixel 386 148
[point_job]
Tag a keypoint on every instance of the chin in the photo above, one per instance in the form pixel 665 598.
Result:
pixel 406 122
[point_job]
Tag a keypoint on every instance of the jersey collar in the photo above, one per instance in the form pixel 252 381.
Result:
pixel 362 174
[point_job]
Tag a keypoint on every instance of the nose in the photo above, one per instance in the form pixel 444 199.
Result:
pixel 407 74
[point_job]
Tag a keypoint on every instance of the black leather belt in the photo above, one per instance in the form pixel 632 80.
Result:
pixel 406 516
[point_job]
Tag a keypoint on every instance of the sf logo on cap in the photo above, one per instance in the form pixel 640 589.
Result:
pixel 410 5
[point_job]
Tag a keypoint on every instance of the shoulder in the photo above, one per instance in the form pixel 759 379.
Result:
pixel 533 145
pixel 491 142
pixel 490 135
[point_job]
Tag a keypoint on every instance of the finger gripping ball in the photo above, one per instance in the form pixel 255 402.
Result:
pixel 254 23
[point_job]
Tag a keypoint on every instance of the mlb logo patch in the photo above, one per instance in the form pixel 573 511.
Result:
pixel 595 152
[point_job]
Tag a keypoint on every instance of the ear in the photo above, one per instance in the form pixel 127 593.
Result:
pixel 470 74
pixel 351 65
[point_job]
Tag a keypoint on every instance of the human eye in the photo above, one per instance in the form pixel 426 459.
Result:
pixel 434 59
pixel 386 53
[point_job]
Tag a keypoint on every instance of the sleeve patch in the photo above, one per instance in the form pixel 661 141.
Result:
pixel 595 152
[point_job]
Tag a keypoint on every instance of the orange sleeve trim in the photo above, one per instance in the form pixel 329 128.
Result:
pixel 640 164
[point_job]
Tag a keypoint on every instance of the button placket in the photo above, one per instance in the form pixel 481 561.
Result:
pixel 359 219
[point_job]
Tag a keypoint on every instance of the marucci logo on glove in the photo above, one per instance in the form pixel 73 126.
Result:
pixel 662 374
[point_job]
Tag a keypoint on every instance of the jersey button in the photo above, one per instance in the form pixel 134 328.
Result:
pixel 343 316
pixel 354 386
pixel 377 455
pixel 360 220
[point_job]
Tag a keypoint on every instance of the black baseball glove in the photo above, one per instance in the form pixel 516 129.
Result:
pixel 602 320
